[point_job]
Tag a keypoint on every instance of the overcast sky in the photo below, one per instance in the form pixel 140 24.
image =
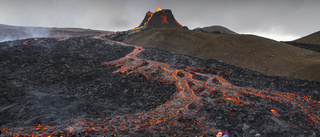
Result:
pixel 275 19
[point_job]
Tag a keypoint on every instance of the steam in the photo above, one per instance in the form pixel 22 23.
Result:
pixel 9 33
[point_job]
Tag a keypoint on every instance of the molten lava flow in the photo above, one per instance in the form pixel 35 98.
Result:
pixel 150 14
pixel 25 42
pixel 164 18
pixel 62 39
pixel 132 65
pixel 275 113
pixel 178 23
pixel 186 102
pixel 38 42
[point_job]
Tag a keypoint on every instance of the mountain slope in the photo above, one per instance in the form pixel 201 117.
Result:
pixel 247 51
pixel 216 30
pixel 313 38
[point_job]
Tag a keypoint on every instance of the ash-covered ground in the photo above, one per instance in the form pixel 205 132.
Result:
pixel 93 86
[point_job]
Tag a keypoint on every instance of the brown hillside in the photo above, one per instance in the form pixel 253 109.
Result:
pixel 247 51
pixel 216 30
pixel 313 38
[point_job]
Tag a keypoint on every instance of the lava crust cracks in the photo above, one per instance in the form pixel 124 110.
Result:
pixel 92 86
pixel 60 80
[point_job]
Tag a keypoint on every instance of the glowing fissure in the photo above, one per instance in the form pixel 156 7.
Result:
pixel 27 42
pixel 151 14
pixel 164 18
pixel 62 39
pixel 178 23
pixel 187 95
pixel 275 113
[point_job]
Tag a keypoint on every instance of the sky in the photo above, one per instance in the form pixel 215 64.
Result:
pixel 281 20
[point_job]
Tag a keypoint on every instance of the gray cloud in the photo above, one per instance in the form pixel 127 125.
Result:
pixel 277 19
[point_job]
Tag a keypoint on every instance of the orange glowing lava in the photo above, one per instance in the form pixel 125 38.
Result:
pixel 178 23
pixel 186 96
pixel 275 113
pixel 164 18
pixel 62 39
pixel 158 8
pixel 26 42
pixel 150 16
pixel 38 42
pixel 133 65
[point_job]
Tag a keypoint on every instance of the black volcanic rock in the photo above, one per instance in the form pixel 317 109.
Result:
pixel 237 76
pixel 97 87
pixel 146 18
pixel 54 84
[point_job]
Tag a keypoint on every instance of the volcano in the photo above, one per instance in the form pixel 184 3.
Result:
pixel 163 18
pixel 91 86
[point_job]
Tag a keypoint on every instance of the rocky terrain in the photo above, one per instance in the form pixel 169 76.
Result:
pixel 158 79
pixel 93 86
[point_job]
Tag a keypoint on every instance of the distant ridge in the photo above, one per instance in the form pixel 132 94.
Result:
pixel 313 39
pixel 8 32
pixel 216 30
pixel 312 47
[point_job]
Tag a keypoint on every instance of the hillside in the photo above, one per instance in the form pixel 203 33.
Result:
pixel 313 38
pixel 247 51
pixel 216 30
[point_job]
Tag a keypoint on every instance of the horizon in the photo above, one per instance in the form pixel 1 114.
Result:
pixel 282 20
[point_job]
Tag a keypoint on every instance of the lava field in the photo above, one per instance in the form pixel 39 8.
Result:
pixel 94 86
